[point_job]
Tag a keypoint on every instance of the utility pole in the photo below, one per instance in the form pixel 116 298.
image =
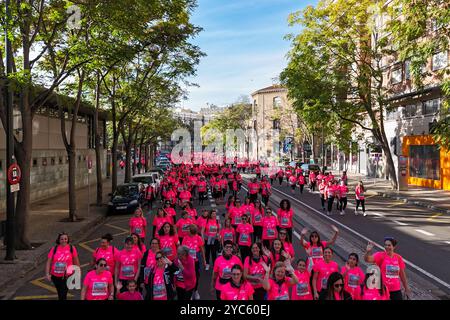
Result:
pixel 10 209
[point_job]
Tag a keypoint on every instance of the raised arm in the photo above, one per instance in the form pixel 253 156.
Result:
pixel 336 232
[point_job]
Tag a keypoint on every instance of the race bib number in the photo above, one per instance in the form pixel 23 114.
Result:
pixel 193 253
pixel 99 289
pixel 147 272
pixel 226 273
pixel 159 291
pixel 237 220
pixel 128 271
pixel 316 252
pixel 283 297
pixel 270 232
pixel 167 251
pixel 228 236
pixel 179 276
pixel 353 281
pixel 138 231
pixel 392 271
pixel 284 221
pixel 258 218
pixel 324 282
pixel 60 267
pixel 212 229
pixel 244 238
pixel 302 289
pixel 185 228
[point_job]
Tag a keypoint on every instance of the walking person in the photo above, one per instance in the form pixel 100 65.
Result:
pixel 277 286
pixel 244 234
pixel 61 260
pixel 128 264
pixel 211 238
pixel 138 224
pixel 254 271
pixel 301 182
pixel 342 193
pixel 105 251
pixel 334 289
pixel 285 216
pixel 353 276
pixel 322 271
pixel 185 278
pixel 98 284
pixel 266 191
pixel 392 268
pixel 238 288
pixel 302 290
pixel 148 262
pixel 360 200
pixel 322 187
pixel 257 216
pixel 194 242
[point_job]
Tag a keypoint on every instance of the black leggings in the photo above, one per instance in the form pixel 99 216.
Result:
pixel 61 287
pixel 259 294
pixel 280 180
pixel 197 274
pixel 201 197
pixel 257 233
pixel 301 188
pixel 395 295
pixel 313 186
pixel 211 250
pixel 265 200
pixel 322 200
pixel 218 295
pixel 343 203
pixel 184 295
pixel 362 202
pixel 330 204
pixel 245 252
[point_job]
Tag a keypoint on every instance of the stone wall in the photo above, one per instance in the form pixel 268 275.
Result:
pixel 50 173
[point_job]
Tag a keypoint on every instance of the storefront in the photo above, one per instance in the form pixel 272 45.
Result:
pixel 428 166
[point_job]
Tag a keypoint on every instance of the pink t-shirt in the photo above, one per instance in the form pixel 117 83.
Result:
pixel 374 294
pixel 279 292
pixel 109 255
pixel 223 267
pixel 289 248
pixel 302 290
pixel 236 215
pixel 323 271
pixel 194 243
pixel 390 269
pixel 137 225
pixel 62 260
pixel 149 265
pixel 201 222
pixel 158 222
pixel 353 281
pixel 270 231
pixel 315 253
pixel 229 292
pixel 183 226
pixel 186 279
pixel 227 234
pixel 257 217
pixel 128 263
pixel 212 228
pixel 97 285
pixel 292 180
pixel 245 231
pixel 247 209
pixel 343 190
pixel 359 193
pixel 168 245
pixel 192 212
pixel 285 218
pixel 255 269
pixel 159 286
pixel 185 196
pixel 129 296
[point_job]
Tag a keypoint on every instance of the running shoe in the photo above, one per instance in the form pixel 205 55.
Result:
pixel 364 214
pixel 207 267
pixel 342 213
pixel 356 212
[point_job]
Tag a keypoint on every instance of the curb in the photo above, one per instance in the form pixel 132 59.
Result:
pixel 414 202
pixel 42 256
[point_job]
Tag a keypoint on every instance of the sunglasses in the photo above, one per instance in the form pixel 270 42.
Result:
pixel 228 247
pixel 283 233
pixel 157 258
pixel 102 265
pixel 339 285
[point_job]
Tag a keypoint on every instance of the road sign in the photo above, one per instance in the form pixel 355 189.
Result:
pixel 15 187
pixel 14 174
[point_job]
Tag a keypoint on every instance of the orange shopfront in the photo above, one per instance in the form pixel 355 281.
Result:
pixel 428 166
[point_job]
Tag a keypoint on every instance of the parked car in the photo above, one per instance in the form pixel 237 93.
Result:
pixel 308 167
pixel 126 198
pixel 146 179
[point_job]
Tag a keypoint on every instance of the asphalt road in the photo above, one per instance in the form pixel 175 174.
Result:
pixel 427 250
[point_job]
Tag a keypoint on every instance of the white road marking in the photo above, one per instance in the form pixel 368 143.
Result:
pixel 377 214
pixel 447 242
pixel 400 223
pixel 425 232
pixel 442 282
pixel 296 234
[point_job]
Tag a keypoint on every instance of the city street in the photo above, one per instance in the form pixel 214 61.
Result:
pixel 427 255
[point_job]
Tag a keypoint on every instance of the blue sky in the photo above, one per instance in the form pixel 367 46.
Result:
pixel 245 47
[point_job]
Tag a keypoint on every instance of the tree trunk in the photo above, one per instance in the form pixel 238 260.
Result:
pixel 146 157
pixel 114 158
pixel 127 163
pixel 72 189
pixel 98 157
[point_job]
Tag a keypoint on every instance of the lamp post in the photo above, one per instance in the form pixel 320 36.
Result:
pixel 10 209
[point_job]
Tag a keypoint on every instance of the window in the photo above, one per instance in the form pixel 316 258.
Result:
pixel 60 160
pixel 407 70
pixel 396 76
pixel 410 110
pixel 424 162
pixel 440 60
pixel 276 102
pixel 52 161
pixel 430 106
pixel 34 162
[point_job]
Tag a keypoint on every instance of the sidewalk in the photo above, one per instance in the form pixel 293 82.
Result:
pixel 48 218
pixel 438 200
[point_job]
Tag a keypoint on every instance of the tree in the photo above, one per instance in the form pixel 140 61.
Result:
pixel 334 69
pixel 413 33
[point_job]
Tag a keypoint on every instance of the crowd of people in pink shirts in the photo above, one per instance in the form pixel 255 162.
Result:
pixel 248 246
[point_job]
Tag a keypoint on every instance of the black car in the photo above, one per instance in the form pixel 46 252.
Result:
pixel 126 199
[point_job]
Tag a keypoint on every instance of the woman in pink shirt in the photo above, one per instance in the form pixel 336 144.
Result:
pixel 360 199
pixel 392 268
pixel 159 220
pixel 98 283
pixel 185 278
pixel 292 183
pixel 227 233
pixel 138 224
pixel 374 288
pixel 334 289
pixel 190 208
pixel 301 182
pixel 248 207
pixel 322 187
pixel 161 279
pixel 238 288
pixel 285 216
pixel 266 190
pixel 168 240
pixel 254 271
pixel 244 234
pixel 230 203
pixel 286 242
pixel 314 248
pixel 170 212
pixel 257 217
pixel 343 191
pixel 312 181
pixel 138 244
pixel 270 232
pixel 353 276
pixel 278 285
pixel 105 251
pixel 302 290
pixel 196 247
pixel 235 214
pixel 128 263
pixel 210 234
pixel 222 268
pixel 60 261
pixel 322 270
pixel 331 193
pixel 183 225
pixel 148 262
